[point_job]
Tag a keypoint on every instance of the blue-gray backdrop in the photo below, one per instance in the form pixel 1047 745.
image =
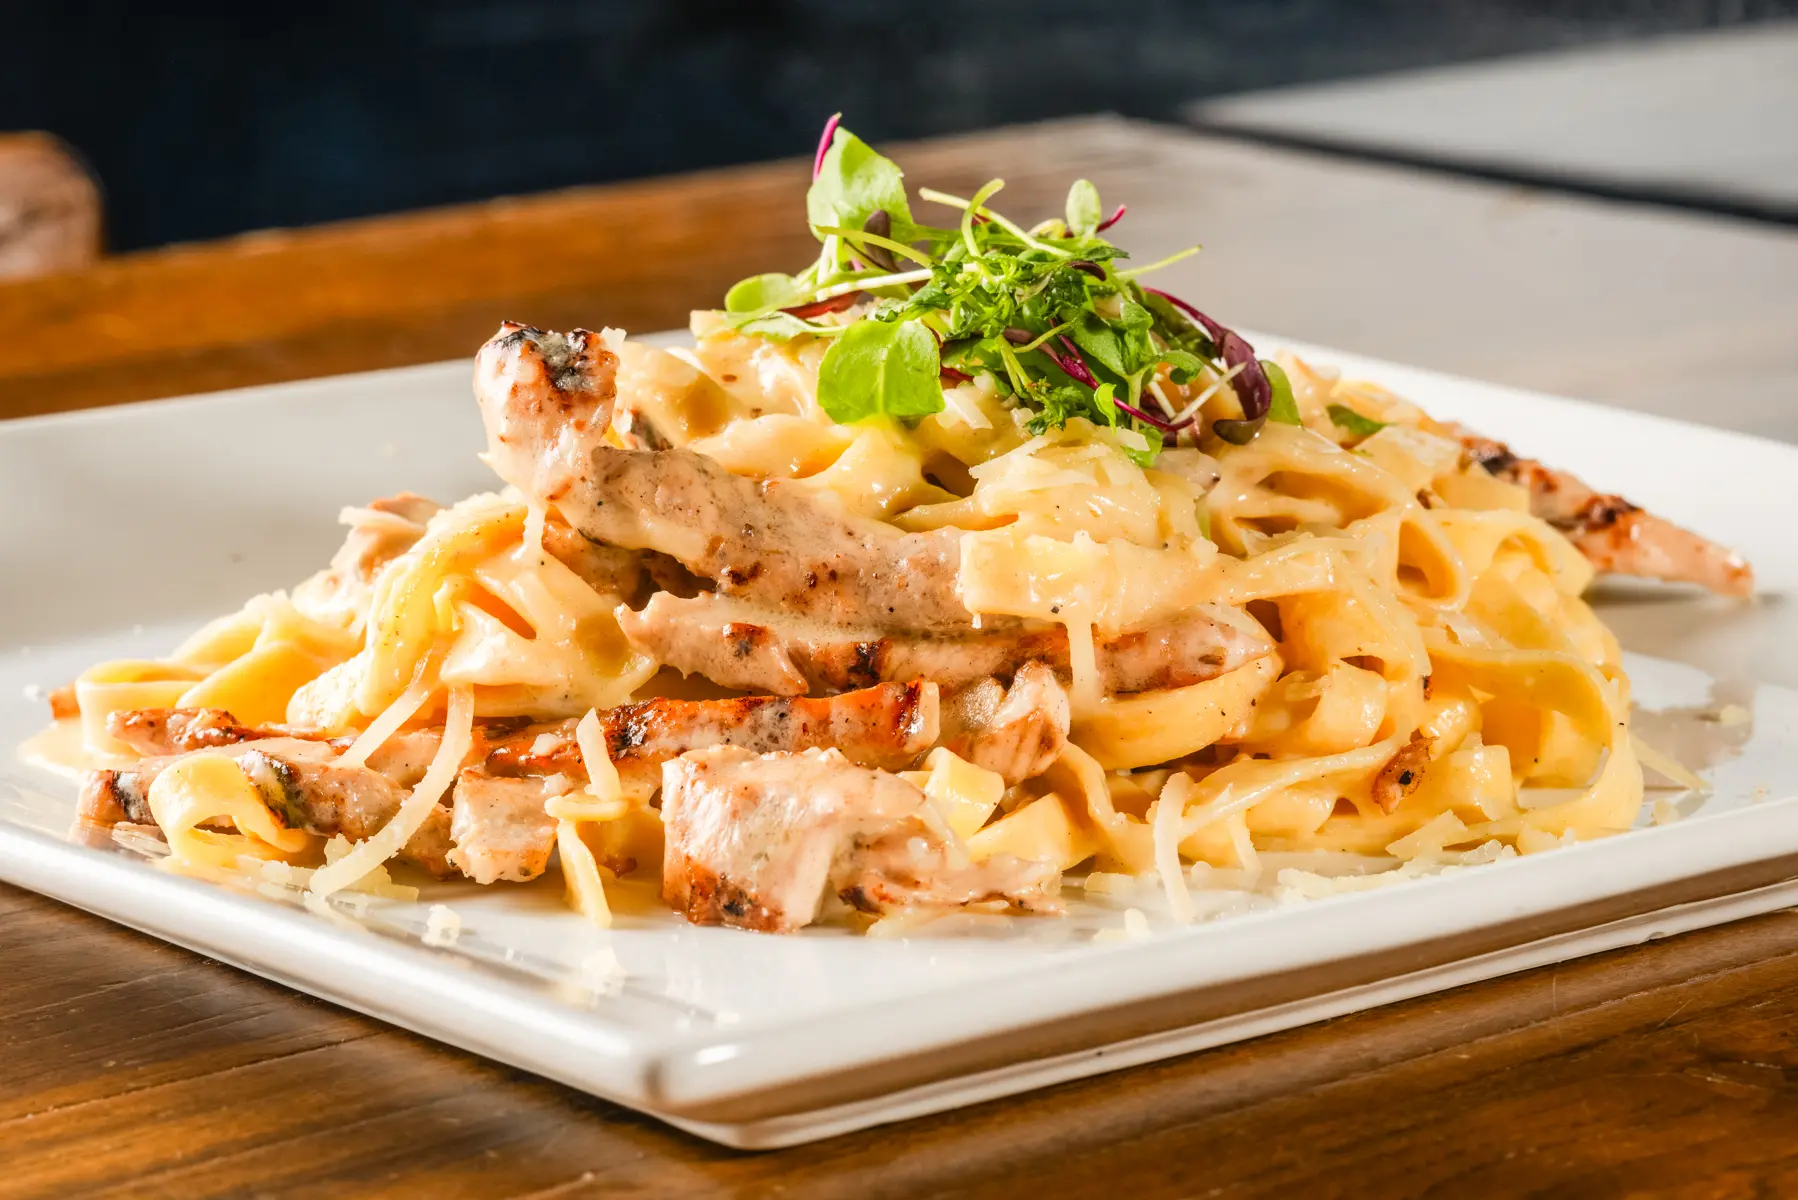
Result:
pixel 208 119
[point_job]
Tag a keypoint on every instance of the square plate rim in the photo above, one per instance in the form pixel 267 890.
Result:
pixel 692 1072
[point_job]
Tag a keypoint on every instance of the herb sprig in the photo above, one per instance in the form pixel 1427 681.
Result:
pixel 1047 313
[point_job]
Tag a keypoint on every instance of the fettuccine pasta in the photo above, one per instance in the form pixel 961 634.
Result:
pixel 867 608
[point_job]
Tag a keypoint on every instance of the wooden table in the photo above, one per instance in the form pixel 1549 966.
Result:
pixel 127 1065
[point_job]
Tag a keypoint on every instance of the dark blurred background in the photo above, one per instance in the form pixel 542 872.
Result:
pixel 204 120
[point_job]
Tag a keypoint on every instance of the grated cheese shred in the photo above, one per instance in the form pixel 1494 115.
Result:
pixel 403 709
pixel 1666 765
pixel 391 838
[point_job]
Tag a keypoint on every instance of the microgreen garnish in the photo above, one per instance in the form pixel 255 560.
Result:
pixel 818 308
pixel 760 292
pixel 1045 313
pixel 853 183
pixel 1084 213
pixel 1252 383
pixel 880 368
pixel 1282 407
pixel 1356 424
pixel 824 141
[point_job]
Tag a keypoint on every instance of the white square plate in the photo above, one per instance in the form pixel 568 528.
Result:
pixel 122 529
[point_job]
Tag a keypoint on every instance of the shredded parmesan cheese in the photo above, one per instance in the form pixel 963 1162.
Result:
pixel 581 874
pixel 1531 840
pixel 1110 883
pixel 603 798
pixel 458 736
pixel 958 405
pixel 1083 661
pixel 1247 858
pixel 374 518
pixel 279 879
pixel 602 973
pixel 1296 885
pixel 1134 929
pixel 1486 852
pixel 1204 875
pixel 1666 765
pixel 1199 401
pixel 579 806
pixel 1734 714
pixel 999 463
pixel 535 517
pixel 1167 820
pixel 602 776
pixel 404 707
pixel 442 926
pixel 1430 839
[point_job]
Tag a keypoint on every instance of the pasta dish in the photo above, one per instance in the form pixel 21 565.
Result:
pixel 962 567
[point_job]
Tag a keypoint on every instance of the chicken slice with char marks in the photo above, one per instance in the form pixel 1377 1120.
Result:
pixel 161 732
pixel 606 569
pixel 1614 535
pixel 891 725
pixel 500 828
pixel 493 826
pixel 301 786
pixel 547 400
pixel 1015 732
pixel 757 649
pixel 756 842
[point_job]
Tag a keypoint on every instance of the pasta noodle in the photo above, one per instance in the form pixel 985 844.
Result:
pixel 206 788
pixel 1393 620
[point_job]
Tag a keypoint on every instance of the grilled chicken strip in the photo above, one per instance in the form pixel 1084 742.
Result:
pixel 489 829
pixel 1403 774
pixel 493 826
pixel 1016 732
pixel 606 569
pixel 547 400
pixel 756 649
pixel 754 842
pixel 162 732
pixel 1613 534
pixel 301 787
pixel 891 726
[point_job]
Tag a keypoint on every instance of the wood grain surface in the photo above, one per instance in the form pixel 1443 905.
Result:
pixel 135 1068
pixel 129 1067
